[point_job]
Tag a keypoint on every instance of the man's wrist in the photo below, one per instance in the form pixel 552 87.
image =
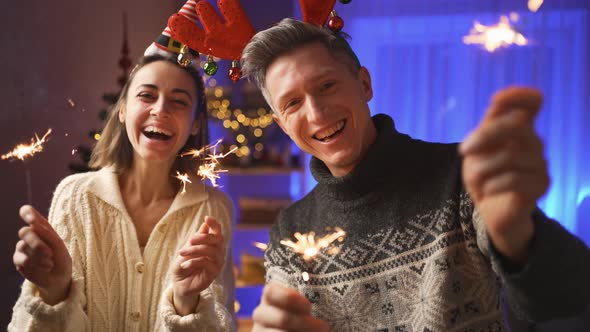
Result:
pixel 56 295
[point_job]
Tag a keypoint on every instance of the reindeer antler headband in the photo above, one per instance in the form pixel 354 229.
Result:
pixel 226 36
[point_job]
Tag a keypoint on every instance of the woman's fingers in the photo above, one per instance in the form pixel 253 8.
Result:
pixel 36 246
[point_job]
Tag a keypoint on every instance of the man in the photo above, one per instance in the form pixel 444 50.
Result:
pixel 435 232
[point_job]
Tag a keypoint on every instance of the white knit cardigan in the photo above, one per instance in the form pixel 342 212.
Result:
pixel 115 287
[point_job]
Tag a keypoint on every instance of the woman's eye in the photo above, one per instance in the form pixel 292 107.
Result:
pixel 145 96
pixel 180 102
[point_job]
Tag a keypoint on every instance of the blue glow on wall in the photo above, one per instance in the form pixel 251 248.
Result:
pixel 437 89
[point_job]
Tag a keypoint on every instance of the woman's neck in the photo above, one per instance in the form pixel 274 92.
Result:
pixel 147 183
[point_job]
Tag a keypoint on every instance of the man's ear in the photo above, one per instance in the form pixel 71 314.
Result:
pixel 280 123
pixel 365 78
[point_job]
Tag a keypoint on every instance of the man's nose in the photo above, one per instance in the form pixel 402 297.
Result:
pixel 316 109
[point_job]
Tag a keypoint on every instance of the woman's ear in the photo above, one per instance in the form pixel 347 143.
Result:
pixel 122 115
pixel 196 126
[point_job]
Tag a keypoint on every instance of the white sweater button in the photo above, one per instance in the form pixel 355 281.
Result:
pixel 140 267
pixel 136 315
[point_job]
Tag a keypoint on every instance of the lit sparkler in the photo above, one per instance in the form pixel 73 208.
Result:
pixel 495 36
pixel 309 246
pixel 184 179
pixel 23 151
pixel 209 170
pixel 534 5
pixel 71 102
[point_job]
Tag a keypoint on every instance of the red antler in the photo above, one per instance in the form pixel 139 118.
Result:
pixel 316 11
pixel 223 39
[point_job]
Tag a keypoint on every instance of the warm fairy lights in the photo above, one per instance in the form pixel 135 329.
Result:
pixel 495 36
pixel 23 151
pixel 184 179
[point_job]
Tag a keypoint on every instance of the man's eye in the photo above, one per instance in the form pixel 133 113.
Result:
pixel 327 85
pixel 291 104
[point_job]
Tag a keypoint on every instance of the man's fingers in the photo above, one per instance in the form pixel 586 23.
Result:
pixel 285 298
pixel 480 167
pixel 495 134
pixel 515 97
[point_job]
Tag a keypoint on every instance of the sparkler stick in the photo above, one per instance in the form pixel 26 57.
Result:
pixel 23 151
pixel 309 246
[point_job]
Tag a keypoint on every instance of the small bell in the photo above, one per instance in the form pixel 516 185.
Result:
pixel 210 67
pixel 336 23
pixel 234 72
pixel 185 59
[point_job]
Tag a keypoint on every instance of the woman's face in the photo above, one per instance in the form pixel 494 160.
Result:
pixel 159 114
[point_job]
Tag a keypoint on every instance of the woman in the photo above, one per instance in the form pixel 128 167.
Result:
pixel 124 248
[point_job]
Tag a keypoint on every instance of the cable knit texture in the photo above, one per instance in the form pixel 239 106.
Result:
pixel 416 256
pixel 115 287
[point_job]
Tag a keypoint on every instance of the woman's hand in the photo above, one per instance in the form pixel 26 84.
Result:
pixel 199 262
pixel 42 257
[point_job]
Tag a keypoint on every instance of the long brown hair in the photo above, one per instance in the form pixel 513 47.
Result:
pixel 114 149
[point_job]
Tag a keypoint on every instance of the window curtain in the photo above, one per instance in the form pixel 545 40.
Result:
pixel 437 88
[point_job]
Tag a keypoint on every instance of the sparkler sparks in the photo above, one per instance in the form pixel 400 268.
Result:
pixel 22 151
pixel 309 246
pixel 209 170
pixel 495 36
pixel 184 179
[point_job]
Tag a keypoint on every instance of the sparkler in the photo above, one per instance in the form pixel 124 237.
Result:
pixel 309 246
pixel 184 179
pixel 495 36
pixel 23 151
pixel 209 170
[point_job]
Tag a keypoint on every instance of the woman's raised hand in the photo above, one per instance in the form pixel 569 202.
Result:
pixel 42 257
pixel 199 262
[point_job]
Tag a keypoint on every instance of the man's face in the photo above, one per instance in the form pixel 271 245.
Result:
pixel 322 106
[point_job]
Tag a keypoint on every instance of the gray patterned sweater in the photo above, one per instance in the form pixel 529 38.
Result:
pixel 416 256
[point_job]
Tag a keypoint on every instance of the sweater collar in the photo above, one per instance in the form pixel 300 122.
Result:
pixel 377 164
pixel 105 185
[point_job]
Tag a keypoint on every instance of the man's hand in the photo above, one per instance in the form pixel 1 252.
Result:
pixel 504 170
pixel 284 309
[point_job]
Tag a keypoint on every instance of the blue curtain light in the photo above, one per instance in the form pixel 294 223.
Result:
pixel 437 88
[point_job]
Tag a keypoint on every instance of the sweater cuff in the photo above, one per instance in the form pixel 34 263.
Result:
pixel 59 312
pixel 204 314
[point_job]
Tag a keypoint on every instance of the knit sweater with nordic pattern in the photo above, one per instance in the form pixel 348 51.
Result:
pixel 416 256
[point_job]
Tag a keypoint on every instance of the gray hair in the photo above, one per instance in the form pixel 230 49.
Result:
pixel 288 35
